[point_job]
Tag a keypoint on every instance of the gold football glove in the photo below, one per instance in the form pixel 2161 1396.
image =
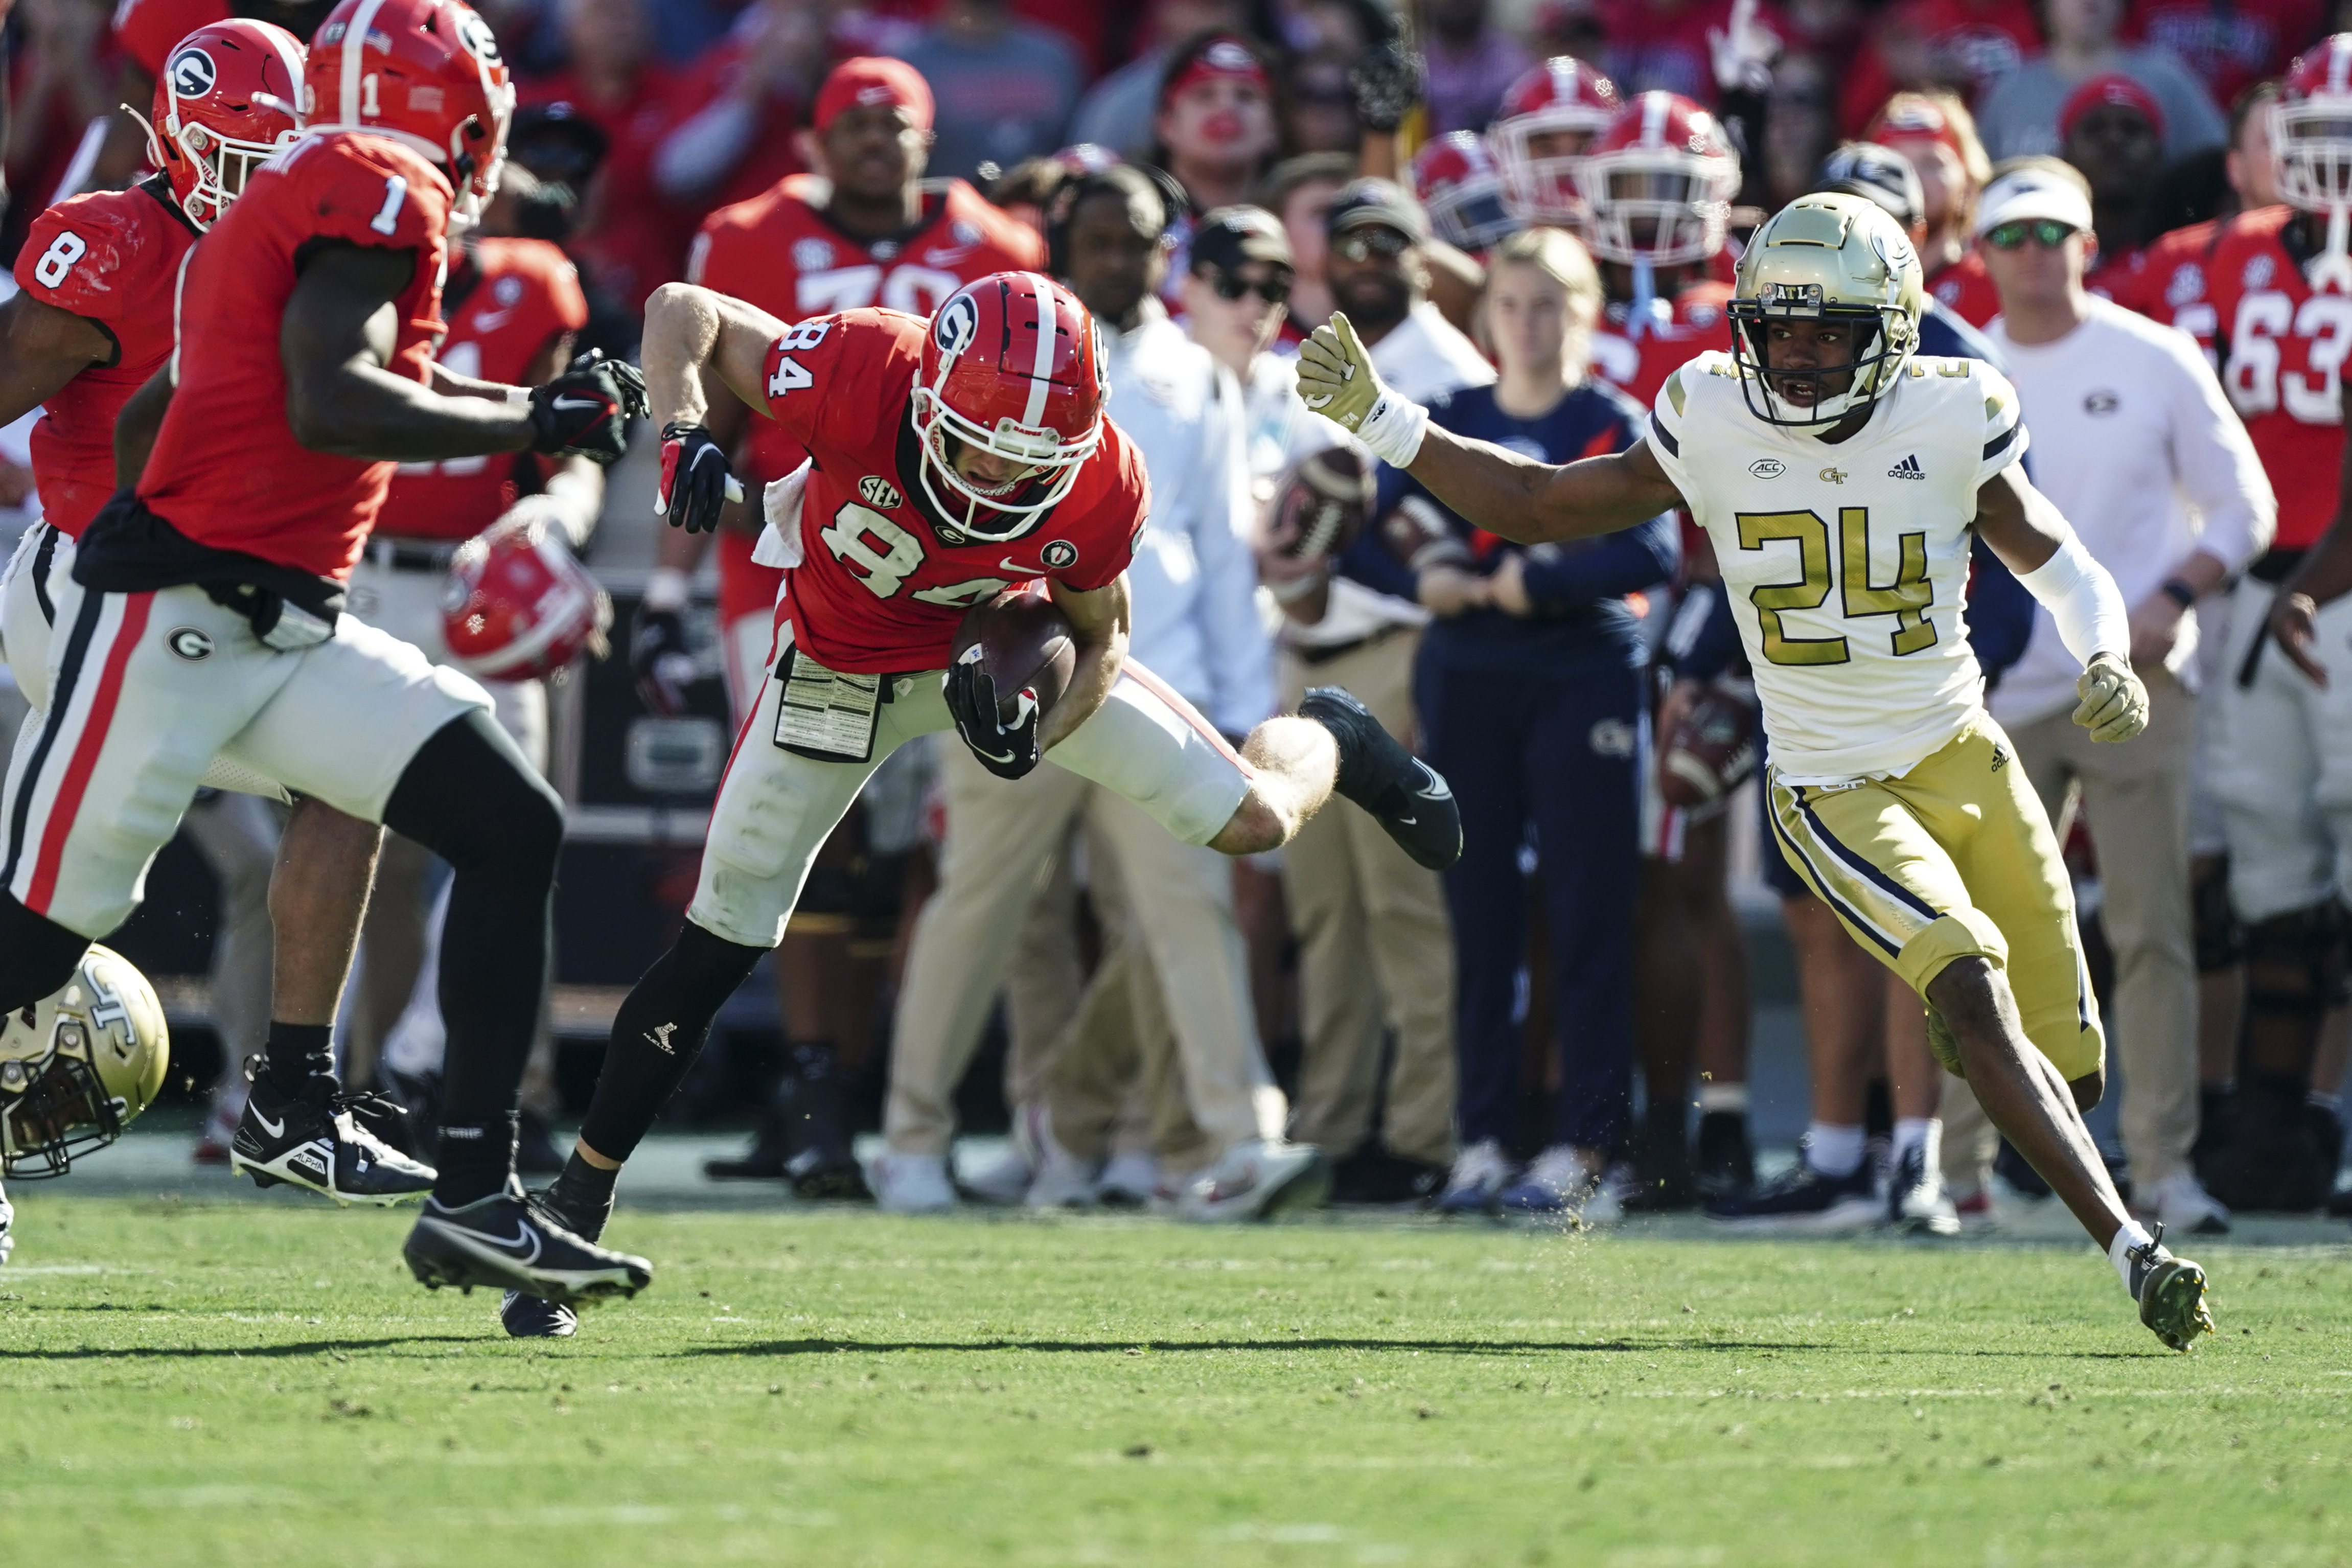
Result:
pixel 2115 703
pixel 1336 377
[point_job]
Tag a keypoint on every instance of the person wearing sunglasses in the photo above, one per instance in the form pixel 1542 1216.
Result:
pixel 2138 446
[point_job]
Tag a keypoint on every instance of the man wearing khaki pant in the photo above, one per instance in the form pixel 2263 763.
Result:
pixel 2136 445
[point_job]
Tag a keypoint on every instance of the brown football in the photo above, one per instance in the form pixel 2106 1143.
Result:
pixel 1322 503
pixel 1711 752
pixel 1024 643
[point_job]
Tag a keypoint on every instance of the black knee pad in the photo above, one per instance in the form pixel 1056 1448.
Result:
pixel 37 955
pixel 2219 935
pixel 470 797
pixel 2296 963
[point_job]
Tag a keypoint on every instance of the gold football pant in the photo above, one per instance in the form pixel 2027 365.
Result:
pixel 1953 859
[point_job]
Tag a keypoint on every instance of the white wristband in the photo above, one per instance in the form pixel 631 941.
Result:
pixel 2082 599
pixel 1393 429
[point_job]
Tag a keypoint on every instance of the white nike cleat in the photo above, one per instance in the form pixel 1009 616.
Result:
pixel 912 1183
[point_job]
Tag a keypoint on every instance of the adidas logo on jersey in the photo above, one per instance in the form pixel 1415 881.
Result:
pixel 1909 468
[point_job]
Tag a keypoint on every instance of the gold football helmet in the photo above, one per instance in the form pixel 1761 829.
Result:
pixel 75 1067
pixel 1824 257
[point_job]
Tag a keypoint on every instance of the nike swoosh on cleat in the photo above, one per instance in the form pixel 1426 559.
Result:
pixel 523 1248
pixel 275 1128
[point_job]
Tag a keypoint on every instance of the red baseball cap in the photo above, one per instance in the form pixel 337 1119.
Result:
pixel 871 80
pixel 1220 57
pixel 2112 89
pixel 1914 117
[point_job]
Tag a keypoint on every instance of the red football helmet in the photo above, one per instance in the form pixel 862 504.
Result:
pixel 516 611
pixel 227 98
pixel 2311 127
pixel 1660 182
pixel 1461 190
pixel 422 72
pixel 1540 133
pixel 1010 366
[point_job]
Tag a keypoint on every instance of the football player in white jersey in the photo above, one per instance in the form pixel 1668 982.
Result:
pixel 1840 476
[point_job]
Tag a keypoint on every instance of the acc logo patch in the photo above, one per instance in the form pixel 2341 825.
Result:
pixel 192 73
pixel 189 643
pixel 1060 555
pixel 958 325
pixel 1767 468
pixel 881 492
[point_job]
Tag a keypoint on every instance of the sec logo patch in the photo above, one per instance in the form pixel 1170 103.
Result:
pixel 1060 555
pixel 189 643
pixel 878 491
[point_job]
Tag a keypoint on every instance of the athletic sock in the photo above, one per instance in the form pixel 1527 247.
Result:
pixel 474 1159
pixel 2133 1235
pixel 1722 1099
pixel 1833 1150
pixel 1914 1132
pixel 294 1054
pixel 656 1036
pixel 583 1196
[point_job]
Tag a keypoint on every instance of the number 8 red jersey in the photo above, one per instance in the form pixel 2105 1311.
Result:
pixel 2281 354
pixel 227 470
pixel 885 579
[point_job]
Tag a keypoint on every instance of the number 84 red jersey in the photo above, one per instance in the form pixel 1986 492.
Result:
pixel 2282 348
pixel 884 579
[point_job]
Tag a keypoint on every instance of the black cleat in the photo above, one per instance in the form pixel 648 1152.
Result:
pixel 1725 1165
pixel 1803 1201
pixel 509 1244
pixel 1404 794
pixel 322 1140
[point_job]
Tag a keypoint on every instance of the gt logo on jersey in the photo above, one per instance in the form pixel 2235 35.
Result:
pixel 192 73
pixel 879 492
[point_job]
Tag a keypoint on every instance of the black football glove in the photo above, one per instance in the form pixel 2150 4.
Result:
pixel 1007 752
pixel 660 661
pixel 1387 83
pixel 695 480
pixel 585 412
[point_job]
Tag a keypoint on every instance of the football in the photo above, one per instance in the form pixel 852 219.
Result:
pixel 1024 643
pixel 1418 534
pixel 1321 504
pixel 1711 752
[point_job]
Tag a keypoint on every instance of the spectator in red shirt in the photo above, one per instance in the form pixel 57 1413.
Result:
pixel 739 108
pixel 2113 132
pixel 1935 132
pixel 2229 44
pixel 1964 46
pixel 631 239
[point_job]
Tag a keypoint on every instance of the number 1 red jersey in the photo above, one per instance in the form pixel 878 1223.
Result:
pixel 227 470
pixel 885 580
pixel 2281 352
pixel 113 257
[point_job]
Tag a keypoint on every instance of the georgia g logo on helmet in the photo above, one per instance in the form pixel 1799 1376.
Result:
pixel 192 73
pixel 958 324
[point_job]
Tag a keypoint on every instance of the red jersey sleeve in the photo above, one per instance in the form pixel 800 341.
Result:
pixel 82 257
pixel 374 192
pixel 146 30
pixel 1107 530
pixel 830 380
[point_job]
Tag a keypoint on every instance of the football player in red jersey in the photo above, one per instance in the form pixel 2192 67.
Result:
pixel 1935 132
pixel 93 321
pixel 2279 282
pixel 1547 119
pixel 202 612
pixel 951 459
pixel 1658 185
pixel 146 32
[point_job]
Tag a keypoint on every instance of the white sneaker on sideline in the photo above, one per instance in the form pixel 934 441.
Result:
pixel 912 1183
pixel 1258 1178
pixel 1005 1181
pixel 2184 1206
pixel 1064 1181
pixel 7 1222
pixel 1131 1180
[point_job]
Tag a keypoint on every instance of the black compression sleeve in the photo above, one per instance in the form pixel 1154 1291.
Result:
pixel 658 1034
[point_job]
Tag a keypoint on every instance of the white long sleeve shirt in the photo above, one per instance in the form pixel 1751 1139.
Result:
pixel 2135 444
pixel 1194 580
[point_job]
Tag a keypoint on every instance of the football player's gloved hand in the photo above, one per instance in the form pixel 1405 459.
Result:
pixel 695 480
pixel 2115 703
pixel 1007 751
pixel 660 661
pixel 1337 380
pixel 1387 83
pixel 585 411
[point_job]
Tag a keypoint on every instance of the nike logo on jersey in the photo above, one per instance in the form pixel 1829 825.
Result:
pixel 1909 468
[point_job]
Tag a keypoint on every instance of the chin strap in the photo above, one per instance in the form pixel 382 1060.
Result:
pixel 1644 300
pixel 2332 269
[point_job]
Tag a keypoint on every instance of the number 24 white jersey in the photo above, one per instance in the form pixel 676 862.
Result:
pixel 1846 564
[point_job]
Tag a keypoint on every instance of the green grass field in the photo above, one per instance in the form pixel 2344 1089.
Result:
pixel 187 1382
